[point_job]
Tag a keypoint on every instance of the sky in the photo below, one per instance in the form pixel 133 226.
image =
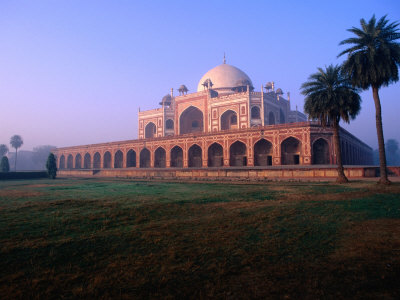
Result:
pixel 76 72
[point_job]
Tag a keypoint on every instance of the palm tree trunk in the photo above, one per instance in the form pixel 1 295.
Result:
pixel 381 142
pixel 15 163
pixel 336 142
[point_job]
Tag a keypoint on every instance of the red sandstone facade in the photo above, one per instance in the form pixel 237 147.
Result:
pixel 224 124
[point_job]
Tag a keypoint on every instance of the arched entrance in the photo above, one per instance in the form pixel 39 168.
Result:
pixel 131 159
pixel 70 162
pixel 320 152
pixel 87 162
pixel 215 155
pixel 96 161
pixel 78 161
pixel 237 154
pixel 191 120
pixel 107 160
pixel 229 120
pixel 176 157
pixel 145 158
pixel 62 162
pixel 291 151
pixel 119 159
pixel 150 130
pixel 271 118
pixel 263 153
pixel 195 159
pixel 159 158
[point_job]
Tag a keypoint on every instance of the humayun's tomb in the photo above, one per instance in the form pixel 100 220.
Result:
pixel 225 129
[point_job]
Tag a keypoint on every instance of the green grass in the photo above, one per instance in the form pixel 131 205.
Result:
pixel 117 238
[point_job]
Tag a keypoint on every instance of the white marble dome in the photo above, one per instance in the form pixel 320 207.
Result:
pixel 223 77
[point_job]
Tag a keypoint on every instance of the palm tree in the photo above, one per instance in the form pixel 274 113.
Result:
pixel 373 61
pixel 16 142
pixel 330 98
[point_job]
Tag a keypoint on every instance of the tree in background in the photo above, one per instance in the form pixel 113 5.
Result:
pixel 392 150
pixel 16 142
pixel 330 98
pixel 372 61
pixel 3 150
pixel 4 165
pixel 40 155
pixel 51 166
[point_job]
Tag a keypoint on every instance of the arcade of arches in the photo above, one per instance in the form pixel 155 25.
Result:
pixel 255 147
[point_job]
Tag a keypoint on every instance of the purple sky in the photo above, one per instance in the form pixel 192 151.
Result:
pixel 76 72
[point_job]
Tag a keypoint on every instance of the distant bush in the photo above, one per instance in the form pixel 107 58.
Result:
pixel 4 164
pixel 23 175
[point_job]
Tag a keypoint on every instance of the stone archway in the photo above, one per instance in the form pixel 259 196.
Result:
pixel 107 160
pixel 160 158
pixel 176 157
pixel 61 166
pixel 263 153
pixel 150 130
pixel 290 151
pixel 215 155
pixel 78 161
pixel 131 159
pixel 195 159
pixel 96 161
pixel 87 161
pixel 229 120
pixel 271 118
pixel 191 120
pixel 70 162
pixel 118 159
pixel 237 154
pixel 145 158
pixel 320 152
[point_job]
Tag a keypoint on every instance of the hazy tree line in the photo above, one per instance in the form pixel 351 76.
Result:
pixel 23 159
pixel 392 153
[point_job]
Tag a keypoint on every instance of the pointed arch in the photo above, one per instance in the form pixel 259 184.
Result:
pixel 263 153
pixel 97 161
pixel 107 160
pixel 191 120
pixel 195 156
pixel 282 118
pixel 238 154
pixel 229 120
pixel 87 161
pixel 78 161
pixel 118 159
pixel 145 158
pixel 131 158
pixel 150 130
pixel 290 151
pixel 215 155
pixel 176 157
pixel 61 165
pixel 160 158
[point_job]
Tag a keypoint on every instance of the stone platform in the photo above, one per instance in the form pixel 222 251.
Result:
pixel 325 172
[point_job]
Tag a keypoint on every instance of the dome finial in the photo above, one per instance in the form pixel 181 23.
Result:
pixel 224 58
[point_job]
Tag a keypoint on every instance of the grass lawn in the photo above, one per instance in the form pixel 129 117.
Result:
pixel 116 238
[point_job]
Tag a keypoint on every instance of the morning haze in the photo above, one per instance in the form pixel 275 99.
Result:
pixel 76 73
